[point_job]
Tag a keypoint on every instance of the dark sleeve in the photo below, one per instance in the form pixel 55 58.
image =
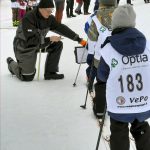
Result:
pixel 63 30
pixel 103 70
pixel 30 32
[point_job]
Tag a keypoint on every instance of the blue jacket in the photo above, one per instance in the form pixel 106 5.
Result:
pixel 127 41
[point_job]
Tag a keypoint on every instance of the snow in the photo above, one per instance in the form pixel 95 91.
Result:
pixel 46 115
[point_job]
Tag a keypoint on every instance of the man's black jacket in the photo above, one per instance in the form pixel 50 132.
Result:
pixel 34 27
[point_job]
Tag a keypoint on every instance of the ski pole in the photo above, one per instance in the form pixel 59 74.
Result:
pixel 74 84
pixel 88 91
pixel 101 128
pixel 90 85
pixel 84 106
pixel 38 76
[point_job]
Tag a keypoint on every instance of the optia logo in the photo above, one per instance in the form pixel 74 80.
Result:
pixel 134 59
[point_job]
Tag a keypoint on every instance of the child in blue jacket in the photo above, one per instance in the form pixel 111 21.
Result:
pixel 125 67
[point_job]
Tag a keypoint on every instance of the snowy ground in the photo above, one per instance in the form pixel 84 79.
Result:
pixel 46 115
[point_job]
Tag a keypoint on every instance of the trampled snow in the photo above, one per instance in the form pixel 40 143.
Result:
pixel 46 115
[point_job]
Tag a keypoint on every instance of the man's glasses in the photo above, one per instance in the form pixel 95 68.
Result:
pixel 49 10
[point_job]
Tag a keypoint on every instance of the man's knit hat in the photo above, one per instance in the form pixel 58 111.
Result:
pixel 46 4
pixel 123 16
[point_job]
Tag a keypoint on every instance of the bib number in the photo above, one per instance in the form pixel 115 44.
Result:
pixel 132 82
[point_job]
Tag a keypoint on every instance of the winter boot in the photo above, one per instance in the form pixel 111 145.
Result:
pixel 96 113
pixel 141 133
pixel 72 15
pixel 9 60
pixel 99 100
pixel 54 76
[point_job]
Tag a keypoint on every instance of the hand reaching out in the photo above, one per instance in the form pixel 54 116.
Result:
pixel 83 42
pixel 55 38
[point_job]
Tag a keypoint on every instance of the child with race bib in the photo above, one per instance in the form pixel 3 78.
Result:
pixel 125 67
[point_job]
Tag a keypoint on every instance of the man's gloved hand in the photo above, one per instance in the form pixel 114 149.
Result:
pixel 83 42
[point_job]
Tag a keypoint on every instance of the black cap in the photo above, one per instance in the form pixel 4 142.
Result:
pixel 46 4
